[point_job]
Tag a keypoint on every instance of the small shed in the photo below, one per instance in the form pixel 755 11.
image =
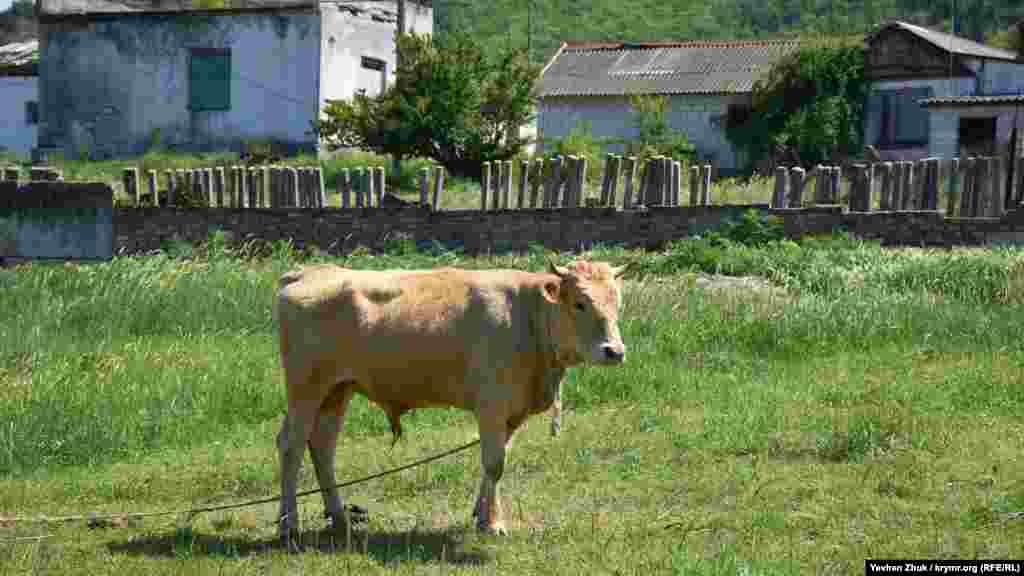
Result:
pixel 703 81
pixel 936 94
pixel 19 112
pixel 117 77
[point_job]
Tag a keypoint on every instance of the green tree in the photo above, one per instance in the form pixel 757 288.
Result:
pixel 812 100
pixel 451 102
pixel 656 136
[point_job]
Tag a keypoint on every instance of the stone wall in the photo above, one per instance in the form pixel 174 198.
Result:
pixel 565 229
pixel 56 220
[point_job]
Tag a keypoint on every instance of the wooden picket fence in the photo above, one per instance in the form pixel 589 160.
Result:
pixel 271 187
pixel 976 186
pixel 561 182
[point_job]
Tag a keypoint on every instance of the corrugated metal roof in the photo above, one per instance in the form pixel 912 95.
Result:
pixel 1010 99
pixel 608 69
pixel 19 58
pixel 950 43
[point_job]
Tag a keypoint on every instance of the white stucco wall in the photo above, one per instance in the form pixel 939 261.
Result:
pixel 999 77
pixel 612 117
pixel 16 135
pixel 109 85
pixel 347 37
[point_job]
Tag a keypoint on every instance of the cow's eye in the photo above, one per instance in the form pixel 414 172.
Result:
pixel 580 306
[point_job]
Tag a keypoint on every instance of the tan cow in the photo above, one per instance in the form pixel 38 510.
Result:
pixel 492 342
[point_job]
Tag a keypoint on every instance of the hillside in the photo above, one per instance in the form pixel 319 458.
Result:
pixel 555 21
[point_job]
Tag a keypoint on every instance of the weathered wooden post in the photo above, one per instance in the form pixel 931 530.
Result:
pixel 930 197
pixel 885 194
pixel 171 183
pixel 506 184
pixel 522 184
pixel 218 187
pixel 997 179
pixel 570 172
pixel 1019 177
pixel 628 176
pixel 129 181
pixel 380 186
pixel 860 192
pixel 779 194
pixel 318 187
pixel 952 186
pixel 655 182
pixel 343 184
pixel 359 186
pixel 536 182
pixel 819 184
pixel 497 167
pixel 896 189
pixel 705 185
pixel 613 181
pixel 151 184
pixel 606 177
pixel 370 187
pixel 266 188
pixel 666 189
pixel 580 197
pixel 694 185
pixel 424 181
pixel 435 203
pixel 485 184
pixel 981 187
pixel 241 186
pixel 835 181
pixel 797 178
pixel 676 173
pixel 966 186
pixel 551 188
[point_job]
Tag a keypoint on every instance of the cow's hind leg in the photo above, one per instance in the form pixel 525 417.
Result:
pixel 291 443
pixel 322 449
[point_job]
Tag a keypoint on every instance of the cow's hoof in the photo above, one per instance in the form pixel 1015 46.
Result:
pixel 495 529
pixel 291 542
pixel 356 515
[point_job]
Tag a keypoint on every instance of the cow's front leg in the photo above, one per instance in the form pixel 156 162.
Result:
pixel 493 439
pixel 553 395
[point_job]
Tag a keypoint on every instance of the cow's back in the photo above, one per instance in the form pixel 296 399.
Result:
pixel 404 338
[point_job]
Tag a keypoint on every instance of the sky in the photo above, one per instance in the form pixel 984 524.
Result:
pixel 4 5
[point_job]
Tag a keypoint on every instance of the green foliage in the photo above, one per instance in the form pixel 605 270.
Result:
pixel 656 136
pixel 451 102
pixel 500 23
pixel 812 100
pixel 754 228
pixel 1010 39
pixel 580 141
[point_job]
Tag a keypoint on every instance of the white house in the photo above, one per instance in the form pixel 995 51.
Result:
pixel 935 94
pixel 704 82
pixel 18 97
pixel 117 76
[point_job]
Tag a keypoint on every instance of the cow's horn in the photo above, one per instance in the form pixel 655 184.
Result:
pixel 621 271
pixel 555 269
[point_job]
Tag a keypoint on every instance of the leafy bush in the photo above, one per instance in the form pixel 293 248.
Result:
pixel 451 102
pixel 811 100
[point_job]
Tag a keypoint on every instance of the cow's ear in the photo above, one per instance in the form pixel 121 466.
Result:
pixel 551 290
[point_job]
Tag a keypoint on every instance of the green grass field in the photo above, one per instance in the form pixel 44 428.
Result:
pixel 867 405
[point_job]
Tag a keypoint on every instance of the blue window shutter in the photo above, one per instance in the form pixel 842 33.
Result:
pixel 210 80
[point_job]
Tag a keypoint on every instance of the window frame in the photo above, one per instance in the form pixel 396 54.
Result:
pixel 195 103
pixel 891 138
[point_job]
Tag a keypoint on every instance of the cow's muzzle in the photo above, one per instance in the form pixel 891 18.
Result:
pixel 612 353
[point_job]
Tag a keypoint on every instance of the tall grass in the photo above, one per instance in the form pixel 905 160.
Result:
pixel 102 362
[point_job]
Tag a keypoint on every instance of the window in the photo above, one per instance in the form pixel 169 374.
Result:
pixel 31 112
pixel 209 79
pixel 371 76
pixel 903 122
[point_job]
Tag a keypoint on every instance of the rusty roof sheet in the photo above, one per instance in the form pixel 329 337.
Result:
pixel 1000 100
pixel 950 43
pixel 619 69
pixel 19 58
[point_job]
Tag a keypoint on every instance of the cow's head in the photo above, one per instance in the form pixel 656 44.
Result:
pixel 588 295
